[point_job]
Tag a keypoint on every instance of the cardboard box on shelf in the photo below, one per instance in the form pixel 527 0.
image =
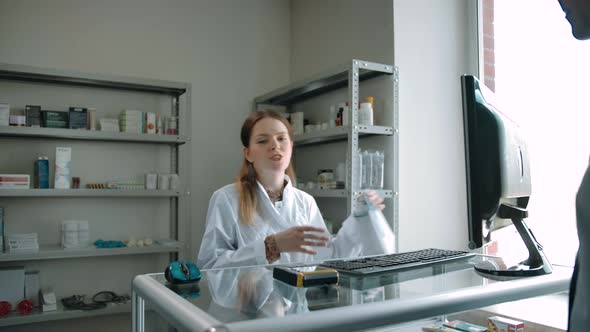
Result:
pixel 12 284
pixel 501 324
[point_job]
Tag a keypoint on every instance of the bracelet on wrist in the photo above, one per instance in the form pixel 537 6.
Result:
pixel 272 250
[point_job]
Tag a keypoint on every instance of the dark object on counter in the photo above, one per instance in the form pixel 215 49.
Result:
pixel 299 277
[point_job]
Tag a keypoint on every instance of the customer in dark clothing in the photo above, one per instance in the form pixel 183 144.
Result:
pixel 577 12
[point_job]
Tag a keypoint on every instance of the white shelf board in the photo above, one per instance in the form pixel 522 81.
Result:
pixel 385 193
pixel 327 192
pixel 91 135
pixel 37 316
pixel 56 252
pixel 338 134
pixel 87 193
pixel 375 130
pixel 67 77
pixel 329 80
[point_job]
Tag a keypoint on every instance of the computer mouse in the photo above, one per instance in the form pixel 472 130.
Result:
pixel 182 273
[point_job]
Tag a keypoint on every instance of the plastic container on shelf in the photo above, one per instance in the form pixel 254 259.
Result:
pixel 333 115
pixel 366 112
pixel 357 165
pixel 366 169
pixel 75 234
pixel 377 169
pixel 172 128
pixel 325 177
pixel 345 115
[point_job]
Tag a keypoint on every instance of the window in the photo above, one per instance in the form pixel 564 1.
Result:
pixel 540 75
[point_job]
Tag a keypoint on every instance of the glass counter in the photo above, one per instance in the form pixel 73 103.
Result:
pixel 250 299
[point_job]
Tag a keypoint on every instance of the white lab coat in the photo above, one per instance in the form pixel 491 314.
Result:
pixel 229 243
pixel 240 294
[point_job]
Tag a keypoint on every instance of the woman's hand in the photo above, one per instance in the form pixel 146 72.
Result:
pixel 376 200
pixel 296 238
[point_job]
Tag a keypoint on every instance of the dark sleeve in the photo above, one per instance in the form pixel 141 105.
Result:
pixel 572 293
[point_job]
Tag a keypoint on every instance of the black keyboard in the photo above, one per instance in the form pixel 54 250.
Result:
pixel 399 261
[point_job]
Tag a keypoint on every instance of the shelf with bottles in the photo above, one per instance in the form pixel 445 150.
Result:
pixel 114 100
pixel 37 315
pixel 340 133
pixel 88 193
pixel 91 135
pixel 56 252
pixel 343 193
pixel 329 80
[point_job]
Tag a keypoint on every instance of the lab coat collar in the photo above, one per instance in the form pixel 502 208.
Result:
pixel 266 205
pixel 287 190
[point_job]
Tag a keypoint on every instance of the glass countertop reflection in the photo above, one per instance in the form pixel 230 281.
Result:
pixel 235 294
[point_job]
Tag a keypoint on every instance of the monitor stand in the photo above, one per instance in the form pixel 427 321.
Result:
pixel 536 265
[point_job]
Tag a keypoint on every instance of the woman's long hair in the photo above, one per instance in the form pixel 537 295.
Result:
pixel 246 181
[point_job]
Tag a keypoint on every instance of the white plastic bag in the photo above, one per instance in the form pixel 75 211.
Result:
pixel 373 230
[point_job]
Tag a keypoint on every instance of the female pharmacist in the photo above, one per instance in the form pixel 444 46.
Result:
pixel 262 218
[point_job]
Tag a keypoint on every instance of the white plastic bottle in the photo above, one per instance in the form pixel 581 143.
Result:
pixel 357 165
pixel 332 122
pixel 377 163
pixel 366 114
pixel 366 169
pixel 345 115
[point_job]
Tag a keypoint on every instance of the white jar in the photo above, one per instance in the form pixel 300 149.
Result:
pixel 345 115
pixel 163 181
pixel 366 114
pixel 332 122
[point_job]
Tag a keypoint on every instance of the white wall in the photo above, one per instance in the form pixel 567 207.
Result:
pixel 229 50
pixel 332 32
pixel 432 51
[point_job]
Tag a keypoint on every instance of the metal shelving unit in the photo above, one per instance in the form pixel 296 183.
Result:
pixel 347 75
pixel 175 94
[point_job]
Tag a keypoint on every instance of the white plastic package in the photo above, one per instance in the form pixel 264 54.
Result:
pixel 368 227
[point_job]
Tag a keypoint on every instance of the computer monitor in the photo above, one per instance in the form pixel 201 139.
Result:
pixel 497 176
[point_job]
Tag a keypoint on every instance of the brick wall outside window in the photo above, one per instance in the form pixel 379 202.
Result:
pixel 488 45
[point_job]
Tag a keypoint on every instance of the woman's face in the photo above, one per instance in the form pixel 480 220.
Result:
pixel 270 147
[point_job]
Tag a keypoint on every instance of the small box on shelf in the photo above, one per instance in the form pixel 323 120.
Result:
pixel 4 114
pixel 32 285
pixel 78 118
pixel 54 119
pixel 17 120
pixel 497 323
pixel 63 167
pixel 1 229
pixel 41 173
pixel 109 125
pixel 12 284
pixel 33 115
pixel 150 123
pixel 15 181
